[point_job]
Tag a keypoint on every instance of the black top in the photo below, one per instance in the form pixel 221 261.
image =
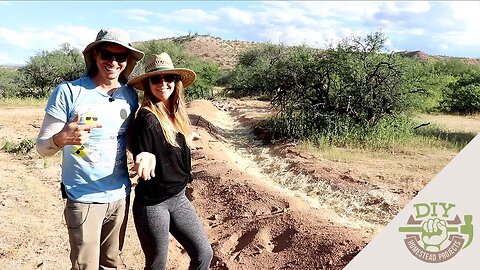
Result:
pixel 173 164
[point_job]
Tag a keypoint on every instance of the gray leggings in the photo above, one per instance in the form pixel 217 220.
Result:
pixel 177 216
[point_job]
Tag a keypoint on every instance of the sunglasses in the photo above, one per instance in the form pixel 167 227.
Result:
pixel 79 150
pixel 119 57
pixel 168 78
pixel 88 118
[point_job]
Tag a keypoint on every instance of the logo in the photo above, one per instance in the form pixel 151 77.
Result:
pixel 434 235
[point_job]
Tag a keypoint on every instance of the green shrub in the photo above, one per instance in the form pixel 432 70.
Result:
pixel 254 75
pixel 21 148
pixel 463 99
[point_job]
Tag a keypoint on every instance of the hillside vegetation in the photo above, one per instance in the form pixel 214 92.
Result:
pixel 353 93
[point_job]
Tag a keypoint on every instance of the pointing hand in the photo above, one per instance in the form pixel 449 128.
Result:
pixel 145 165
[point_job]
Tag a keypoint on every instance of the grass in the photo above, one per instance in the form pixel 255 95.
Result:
pixel 401 136
pixel 22 102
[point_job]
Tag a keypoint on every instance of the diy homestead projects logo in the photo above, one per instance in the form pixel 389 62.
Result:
pixel 434 234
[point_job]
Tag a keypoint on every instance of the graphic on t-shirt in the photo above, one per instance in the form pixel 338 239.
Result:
pixel 90 119
pixel 81 150
pixel 123 114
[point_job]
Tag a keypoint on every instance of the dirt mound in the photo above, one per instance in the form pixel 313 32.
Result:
pixel 254 224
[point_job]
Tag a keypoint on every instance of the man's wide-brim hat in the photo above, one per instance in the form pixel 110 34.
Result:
pixel 162 64
pixel 115 36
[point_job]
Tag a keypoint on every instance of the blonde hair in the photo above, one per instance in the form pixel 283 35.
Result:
pixel 181 122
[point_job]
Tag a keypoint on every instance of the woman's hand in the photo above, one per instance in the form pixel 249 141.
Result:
pixel 145 165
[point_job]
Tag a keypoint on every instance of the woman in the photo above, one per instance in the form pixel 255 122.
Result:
pixel 162 128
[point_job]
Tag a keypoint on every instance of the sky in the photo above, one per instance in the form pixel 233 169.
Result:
pixel 450 28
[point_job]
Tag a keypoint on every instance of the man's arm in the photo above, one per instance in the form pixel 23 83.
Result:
pixel 55 134
pixel 45 144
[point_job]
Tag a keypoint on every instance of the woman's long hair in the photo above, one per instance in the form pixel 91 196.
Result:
pixel 178 111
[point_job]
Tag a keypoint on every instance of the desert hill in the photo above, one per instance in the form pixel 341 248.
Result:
pixel 225 52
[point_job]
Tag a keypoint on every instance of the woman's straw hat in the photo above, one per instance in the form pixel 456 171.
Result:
pixel 162 64
pixel 116 36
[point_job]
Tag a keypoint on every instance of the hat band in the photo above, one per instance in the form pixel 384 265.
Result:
pixel 159 68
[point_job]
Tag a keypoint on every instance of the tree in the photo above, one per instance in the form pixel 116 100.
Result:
pixel 9 79
pixel 354 84
pixel 48 68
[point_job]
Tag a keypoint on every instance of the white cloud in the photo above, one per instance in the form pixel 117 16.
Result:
pixel 32 40
pixel 193 16
pixel 153 32
pixel 443 46
pixel 6 59
pixel 237 16
pixel 343 10
pixel 407 6
pixel 136 14
pixel 319 38
pixel 466 12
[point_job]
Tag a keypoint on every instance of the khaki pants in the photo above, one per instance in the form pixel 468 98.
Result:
pixel 96 232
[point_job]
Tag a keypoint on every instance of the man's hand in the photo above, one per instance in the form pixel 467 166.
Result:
pixel 145 165
pixel 74 133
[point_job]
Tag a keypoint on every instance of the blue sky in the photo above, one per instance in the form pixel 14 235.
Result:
pixel 449 28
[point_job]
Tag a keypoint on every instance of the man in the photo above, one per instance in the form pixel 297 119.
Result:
pixel 88 119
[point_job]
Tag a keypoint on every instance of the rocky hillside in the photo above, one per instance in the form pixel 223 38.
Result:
pixel 225 52
pixel 423 56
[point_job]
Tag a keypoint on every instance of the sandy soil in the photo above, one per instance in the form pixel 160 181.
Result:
pixel 253 221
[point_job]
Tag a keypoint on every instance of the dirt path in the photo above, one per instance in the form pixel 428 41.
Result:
pixel 252 219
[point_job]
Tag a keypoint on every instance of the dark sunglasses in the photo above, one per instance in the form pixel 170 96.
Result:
pixel 169 78
pixel 107 56
pixel 91 118
pixel 79 150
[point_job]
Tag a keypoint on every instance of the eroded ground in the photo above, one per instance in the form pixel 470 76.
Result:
pixel 264 207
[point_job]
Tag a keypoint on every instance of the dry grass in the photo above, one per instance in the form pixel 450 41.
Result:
pixel 21 102
pixel 454 123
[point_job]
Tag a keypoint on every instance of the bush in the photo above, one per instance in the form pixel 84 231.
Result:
pixel 463 99
pixel 21 148
pixel 347 89
pixel 254 74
